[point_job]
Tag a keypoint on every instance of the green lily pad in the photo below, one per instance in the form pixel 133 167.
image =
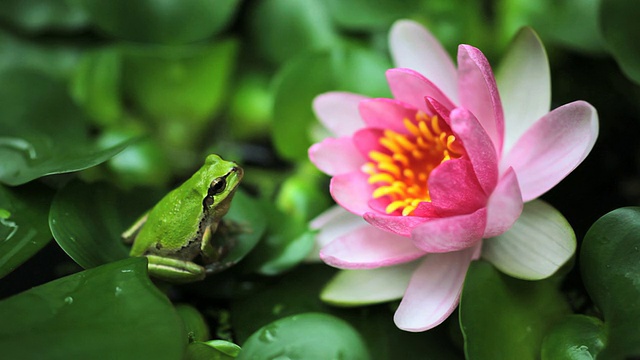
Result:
pixel 184 82
pixel 41 15
pixel 112 311
pixel 194 323
pixel 43 131
pixel 309 336
pixel 286 244
pixel 343 68
pixel 212 350
pixel 245 212
pixel 554 20
pixel 96 85
pixel 610 266
pixel 169 22
pixel 23 224
pixel 298 291
pixel 379 14
pixel 305 25
pixel 56 60
pixel 619 26
pixel 506 316
pixel 576 337
pixel 87 220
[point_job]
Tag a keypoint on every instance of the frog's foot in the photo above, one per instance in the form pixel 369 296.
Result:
pixel 174 270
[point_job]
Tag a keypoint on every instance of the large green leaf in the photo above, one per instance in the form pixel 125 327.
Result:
pixel 247 214
pixel 297 292
pixel 58 60
pixel 212 350
pixel 96 84
pixel 168 22
pixel 23 224
pixel 304 24
pixel 571 23
pixel 87 220
pixel 187 82
pixel 194 323
pixel 309 336
pixel 610 266
pixel 42 15
pixel 43 131
pixel 576 337
pixel 377 14
pixel 110 312
pixel 344 68
pixel 502 317
pixel 286 244
pixel 620 26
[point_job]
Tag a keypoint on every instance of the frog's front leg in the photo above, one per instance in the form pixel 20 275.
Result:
pixel 129 235
pixel 174 270
pixel 216 245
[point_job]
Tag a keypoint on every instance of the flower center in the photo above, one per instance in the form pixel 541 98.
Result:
pixel 401 171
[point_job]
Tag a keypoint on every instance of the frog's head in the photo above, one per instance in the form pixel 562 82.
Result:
pixel 221 178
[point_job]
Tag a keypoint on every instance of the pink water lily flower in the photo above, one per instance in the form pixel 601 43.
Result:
pixel 454 158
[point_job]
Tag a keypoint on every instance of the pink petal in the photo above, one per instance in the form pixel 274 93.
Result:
pixel 479 147
pixel 411 87
pixel 479 92
pixel 401 225
pixel 504 206
pixel 434 290
pixel 336 156
pixel 413 47
pixel 454 188
pixel 438 109
pixel 450 233
pixel 338 111
pixel 388 114
pixel 554 146
pixel 369 248
pixel 367 140
pixel 352 191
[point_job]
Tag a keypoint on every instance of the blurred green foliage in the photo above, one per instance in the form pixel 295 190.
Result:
pixel 106 105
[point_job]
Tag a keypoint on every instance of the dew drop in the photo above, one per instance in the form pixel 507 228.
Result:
pixel 118 290
pixel 268 335
pixel 68 300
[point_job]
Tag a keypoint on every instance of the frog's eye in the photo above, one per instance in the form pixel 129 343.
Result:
pixel 217 186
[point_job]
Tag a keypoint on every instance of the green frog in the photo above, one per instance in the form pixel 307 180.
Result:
pixel 181 226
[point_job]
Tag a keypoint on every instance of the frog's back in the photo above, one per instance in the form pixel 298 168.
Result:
pixel 175 218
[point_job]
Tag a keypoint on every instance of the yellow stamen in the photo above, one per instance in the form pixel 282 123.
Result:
pixel 411 127
pixel 394 206
pixel 435 126
pixel 401 169
pixel 390 167
pixel 382 178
